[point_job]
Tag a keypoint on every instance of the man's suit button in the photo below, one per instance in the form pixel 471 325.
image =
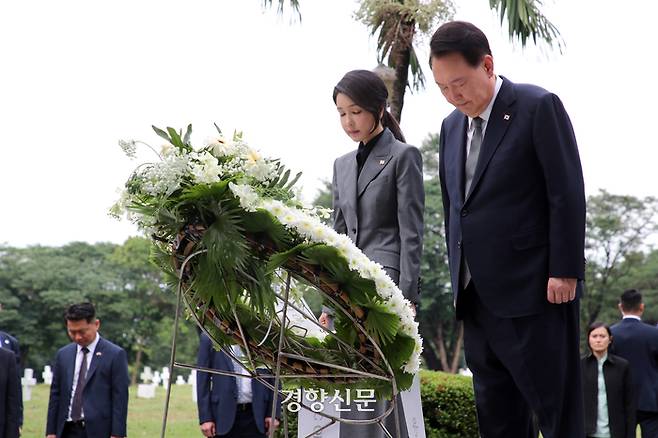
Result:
pixel 459 244
pixel 353 230
pixel 464 213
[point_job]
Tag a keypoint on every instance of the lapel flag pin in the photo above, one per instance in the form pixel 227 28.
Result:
pixel 98 353
pixel 382 162
pixel 506 117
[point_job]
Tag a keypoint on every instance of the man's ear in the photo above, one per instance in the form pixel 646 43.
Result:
pixel 488 64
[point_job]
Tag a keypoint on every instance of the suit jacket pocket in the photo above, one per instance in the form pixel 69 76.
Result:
pixel 389 259
pixel 530 240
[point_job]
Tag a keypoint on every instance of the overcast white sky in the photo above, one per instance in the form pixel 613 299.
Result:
pixel 76 76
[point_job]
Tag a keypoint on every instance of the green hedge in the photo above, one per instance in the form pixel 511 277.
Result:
pixel 448 407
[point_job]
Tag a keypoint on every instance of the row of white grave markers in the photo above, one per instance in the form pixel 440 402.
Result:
pixel 28 380
pixel 144 390
pixel 152 379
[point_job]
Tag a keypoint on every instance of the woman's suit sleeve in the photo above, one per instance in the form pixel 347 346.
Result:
pixel 339 220
pixel 410 204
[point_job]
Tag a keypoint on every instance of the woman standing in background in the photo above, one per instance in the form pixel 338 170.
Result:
pixel 607 388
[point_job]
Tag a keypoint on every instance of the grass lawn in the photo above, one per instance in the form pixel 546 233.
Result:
pixel 144 415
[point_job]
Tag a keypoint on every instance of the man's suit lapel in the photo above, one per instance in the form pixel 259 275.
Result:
pixel 461 156
pixel 499 120
pixel 96 358
pixel 377 160
pixel 69 363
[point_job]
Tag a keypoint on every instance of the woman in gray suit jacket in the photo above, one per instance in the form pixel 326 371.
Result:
pixel 378 194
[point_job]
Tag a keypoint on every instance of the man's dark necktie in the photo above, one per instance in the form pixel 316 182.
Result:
pixel 76 407
pixel 469 168
pixel 473 154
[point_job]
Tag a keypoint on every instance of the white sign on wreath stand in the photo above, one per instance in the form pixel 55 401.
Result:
pixel 413 410
pixel 309 421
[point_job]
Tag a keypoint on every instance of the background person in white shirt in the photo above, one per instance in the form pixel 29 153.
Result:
pixel 89 393
pixel 231 407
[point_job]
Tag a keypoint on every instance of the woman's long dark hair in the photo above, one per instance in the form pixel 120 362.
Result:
pixel 367 90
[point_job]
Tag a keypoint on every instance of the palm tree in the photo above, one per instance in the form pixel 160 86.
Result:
pixel 397 22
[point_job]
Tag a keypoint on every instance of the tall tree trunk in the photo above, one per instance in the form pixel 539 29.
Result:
pixel 429 353
pixel 439 341
pixel 138 363
pixel 457 348
pixel 449 364
pixel 399 59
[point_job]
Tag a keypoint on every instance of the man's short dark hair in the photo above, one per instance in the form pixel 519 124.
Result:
pixel 460 37
pixel 631 300
pixel 80 311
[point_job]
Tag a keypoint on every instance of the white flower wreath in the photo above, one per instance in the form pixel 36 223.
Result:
pixel 223 198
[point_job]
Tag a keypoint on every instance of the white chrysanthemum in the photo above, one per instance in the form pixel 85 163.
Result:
pixel 276 208
pixel 207 171
pixel 319 233
pixel 249 199
pixel 396 303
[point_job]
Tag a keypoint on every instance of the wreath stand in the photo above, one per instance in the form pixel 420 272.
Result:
pixel 287 363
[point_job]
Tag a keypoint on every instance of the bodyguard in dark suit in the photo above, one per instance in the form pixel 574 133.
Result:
pixel 514 204
pixel 231 407
pixel 89 392
pixel 637 342
pixel 10 343
pixel 9 401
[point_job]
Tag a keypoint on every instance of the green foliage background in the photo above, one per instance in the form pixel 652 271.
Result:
pixel 135 306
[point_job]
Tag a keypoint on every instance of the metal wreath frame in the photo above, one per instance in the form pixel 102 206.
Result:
pixel 346 372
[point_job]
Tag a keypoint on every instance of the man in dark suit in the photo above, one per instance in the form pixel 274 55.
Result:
pixel 89 393
pixel 637 342
pixel 9 401
pixel 514 206
pixel 10 343
pixel 231 407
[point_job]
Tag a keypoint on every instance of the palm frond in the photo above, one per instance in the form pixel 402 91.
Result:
pixel 381 323
pixel 525 20
pixel 294 4
pixel 416 71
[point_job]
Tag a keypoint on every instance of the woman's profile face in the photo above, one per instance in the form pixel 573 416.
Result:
pixel 599 340
pixel 357 123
